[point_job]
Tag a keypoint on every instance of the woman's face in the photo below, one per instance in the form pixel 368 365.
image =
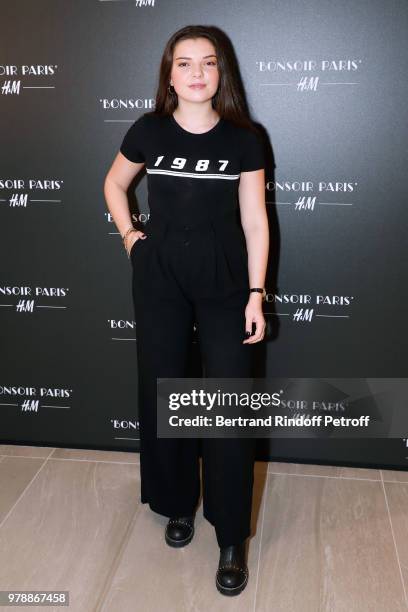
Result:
pixel 195 62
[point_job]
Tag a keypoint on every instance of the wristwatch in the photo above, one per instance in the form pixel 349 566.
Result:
pixel 259 290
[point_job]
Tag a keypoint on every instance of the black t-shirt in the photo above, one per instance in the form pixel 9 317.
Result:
pixel 192 175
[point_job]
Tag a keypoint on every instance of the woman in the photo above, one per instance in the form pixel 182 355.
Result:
pixel 202 261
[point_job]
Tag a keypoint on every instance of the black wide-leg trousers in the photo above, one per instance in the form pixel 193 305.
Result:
pixel 169 468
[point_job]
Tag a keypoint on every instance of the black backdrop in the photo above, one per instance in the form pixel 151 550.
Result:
pixel 327 83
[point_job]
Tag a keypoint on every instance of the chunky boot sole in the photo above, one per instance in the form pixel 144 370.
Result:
pixel 231 590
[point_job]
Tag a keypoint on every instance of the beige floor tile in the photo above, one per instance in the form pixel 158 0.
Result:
pixel 96 455
pixel 397 498
pixel 15 474
pixel 68 528
pixel 307 469
pixel 17 450
pixel 327 546
pixel 395 475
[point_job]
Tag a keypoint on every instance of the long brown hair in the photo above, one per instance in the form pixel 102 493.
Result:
pixel 229 100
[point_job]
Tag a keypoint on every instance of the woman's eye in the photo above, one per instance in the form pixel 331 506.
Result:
pixel 185 63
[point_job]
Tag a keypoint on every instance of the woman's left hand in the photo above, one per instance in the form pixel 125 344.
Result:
pixel 254 314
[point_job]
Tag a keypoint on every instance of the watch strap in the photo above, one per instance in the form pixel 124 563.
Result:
pixel 259 290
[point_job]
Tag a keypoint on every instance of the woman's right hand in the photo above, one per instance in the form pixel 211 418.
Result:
pixel 132 238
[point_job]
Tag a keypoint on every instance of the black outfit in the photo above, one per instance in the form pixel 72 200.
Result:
pixel 192 268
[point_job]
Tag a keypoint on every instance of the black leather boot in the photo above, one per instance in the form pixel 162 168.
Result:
pixel 179 531
pixel 232 574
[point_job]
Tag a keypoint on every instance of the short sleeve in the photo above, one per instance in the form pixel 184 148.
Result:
pixel 134 141
pixel 252 152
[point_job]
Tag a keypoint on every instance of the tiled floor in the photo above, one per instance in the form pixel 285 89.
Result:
pixel 323 538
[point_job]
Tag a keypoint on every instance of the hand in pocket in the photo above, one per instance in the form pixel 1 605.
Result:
pixel 133 238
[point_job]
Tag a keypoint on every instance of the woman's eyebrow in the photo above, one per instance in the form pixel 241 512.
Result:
pixel 204 56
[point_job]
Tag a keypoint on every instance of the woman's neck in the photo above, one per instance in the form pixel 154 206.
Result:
pixel 196 120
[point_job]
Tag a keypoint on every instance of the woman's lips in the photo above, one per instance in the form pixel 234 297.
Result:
pixel 197 86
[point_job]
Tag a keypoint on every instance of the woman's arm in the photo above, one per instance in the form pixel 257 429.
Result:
pixel 254 221
pixel 116 184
